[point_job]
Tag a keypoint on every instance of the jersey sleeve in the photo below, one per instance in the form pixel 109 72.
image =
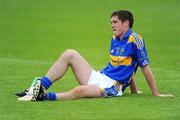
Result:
pixel 139 51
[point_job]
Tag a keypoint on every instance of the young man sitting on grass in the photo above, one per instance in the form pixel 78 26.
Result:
pixel 127 53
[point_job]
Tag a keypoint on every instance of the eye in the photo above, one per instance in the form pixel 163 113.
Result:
pixel 114 22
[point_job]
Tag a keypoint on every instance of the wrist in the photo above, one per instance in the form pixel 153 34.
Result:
pixel 155 93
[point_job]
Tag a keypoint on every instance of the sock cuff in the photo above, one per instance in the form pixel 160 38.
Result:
pixel 46 82
pixel 52 96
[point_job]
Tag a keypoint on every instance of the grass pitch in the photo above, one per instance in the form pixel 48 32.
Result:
pixel 34 33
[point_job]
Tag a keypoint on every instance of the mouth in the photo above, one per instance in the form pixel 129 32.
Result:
pixel 113 29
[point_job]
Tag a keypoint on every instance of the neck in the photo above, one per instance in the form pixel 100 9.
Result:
pixel 122 35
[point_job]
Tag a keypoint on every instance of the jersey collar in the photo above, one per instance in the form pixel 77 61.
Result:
pixel 127 33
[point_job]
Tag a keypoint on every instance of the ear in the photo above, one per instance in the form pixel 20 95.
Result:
pixel 126 23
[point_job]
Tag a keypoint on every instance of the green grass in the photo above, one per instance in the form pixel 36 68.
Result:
pixel 34 33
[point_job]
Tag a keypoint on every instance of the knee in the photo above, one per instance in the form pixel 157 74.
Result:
pixel 77 92
pixel 69 54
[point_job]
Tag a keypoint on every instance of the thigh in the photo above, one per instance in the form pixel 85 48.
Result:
pixel 81 68
pixel 87 91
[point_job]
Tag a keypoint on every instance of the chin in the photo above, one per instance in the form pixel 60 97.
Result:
pixel 116 35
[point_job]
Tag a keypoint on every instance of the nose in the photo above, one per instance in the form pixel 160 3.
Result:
pixel 112 25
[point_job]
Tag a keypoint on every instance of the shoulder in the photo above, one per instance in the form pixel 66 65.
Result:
pixel 136 39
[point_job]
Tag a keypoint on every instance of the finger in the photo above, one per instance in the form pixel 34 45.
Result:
pixel 139 92
pixel 166 95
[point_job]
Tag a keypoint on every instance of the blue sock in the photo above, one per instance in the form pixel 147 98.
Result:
pixel 50 96
pixel 46 82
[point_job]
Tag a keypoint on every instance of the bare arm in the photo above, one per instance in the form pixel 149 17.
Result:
pixel 150 79
pixel 152 83
pixel 133 87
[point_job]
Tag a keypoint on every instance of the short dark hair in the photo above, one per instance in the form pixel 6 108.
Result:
pixel 124 15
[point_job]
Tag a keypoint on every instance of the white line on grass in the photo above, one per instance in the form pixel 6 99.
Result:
pixel 23 61
pixel 166 70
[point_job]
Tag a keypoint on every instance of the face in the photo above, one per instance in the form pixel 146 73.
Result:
pixel 119 28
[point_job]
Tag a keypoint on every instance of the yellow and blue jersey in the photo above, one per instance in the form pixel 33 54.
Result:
pixel 125 57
